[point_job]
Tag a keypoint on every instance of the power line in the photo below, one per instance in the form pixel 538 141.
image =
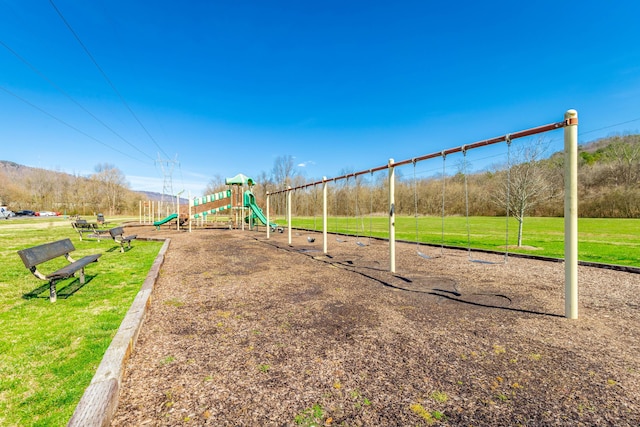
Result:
pixel 67 124
pixel 44 77
pixel 104 75
pixel 610 126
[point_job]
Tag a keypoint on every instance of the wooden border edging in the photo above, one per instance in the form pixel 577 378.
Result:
pixel 100 399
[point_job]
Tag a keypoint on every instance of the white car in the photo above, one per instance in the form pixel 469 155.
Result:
pixel 5 213
pixel 46 213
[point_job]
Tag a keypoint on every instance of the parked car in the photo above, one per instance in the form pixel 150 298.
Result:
pixel 25 212
pixel 5 213
pixel 47 213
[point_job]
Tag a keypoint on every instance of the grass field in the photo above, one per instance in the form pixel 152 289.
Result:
pixel 609 241
pixel 49 352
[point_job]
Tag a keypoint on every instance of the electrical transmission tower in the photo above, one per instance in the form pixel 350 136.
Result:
pixel 167 167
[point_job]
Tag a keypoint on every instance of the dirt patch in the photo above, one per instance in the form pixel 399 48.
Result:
pixel 245 331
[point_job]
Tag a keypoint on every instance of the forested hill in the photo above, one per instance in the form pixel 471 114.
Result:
pixel 106 190
pixel 609 180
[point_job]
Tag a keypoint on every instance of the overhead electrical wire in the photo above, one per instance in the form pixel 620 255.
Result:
pixel 610 126
pixel 104 75
pixel 42 110
pixel 62 91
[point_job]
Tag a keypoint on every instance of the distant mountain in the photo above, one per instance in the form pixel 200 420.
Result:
pixel 15 170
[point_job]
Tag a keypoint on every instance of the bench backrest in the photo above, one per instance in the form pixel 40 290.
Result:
pixel 81 221
pixel 48 251
pixel 116 231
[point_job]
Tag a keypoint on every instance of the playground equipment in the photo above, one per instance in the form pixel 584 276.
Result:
pixel 466 206
pixel 171 217
pixel 255 212
pixel 569 124
pixel 238 183
pixel 231 202
pixel 211 204
pixel 415 203
pixel 358 241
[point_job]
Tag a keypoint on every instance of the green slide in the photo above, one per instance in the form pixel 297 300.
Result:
pixel 250 202
pixel 165 220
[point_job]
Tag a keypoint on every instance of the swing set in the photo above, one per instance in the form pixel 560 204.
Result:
pixel 569 124
pixel 415 204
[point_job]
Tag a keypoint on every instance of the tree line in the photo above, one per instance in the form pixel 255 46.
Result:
pixel 531 185
pixel 106 190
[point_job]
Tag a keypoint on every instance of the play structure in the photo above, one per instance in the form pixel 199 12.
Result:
pixel 255 213
pixel 234 207
pixel 231 208
pixel 165 220
pixel 214 207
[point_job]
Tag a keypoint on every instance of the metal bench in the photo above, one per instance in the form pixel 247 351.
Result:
pixel 100 219
pixel 32 257
pixel 117 234
pixel 82 226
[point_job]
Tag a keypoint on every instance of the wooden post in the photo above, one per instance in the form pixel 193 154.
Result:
pixel 571 214
pixel 324 214
pixel 392 218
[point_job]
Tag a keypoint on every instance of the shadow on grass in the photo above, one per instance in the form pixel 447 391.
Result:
pixel 117 248
pixel 63 292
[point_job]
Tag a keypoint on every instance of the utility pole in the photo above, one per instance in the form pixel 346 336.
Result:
pixel 167 167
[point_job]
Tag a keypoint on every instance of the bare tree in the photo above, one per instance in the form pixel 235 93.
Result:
pixel 283 171
pixel 113 185
pixel 527 184
pixel 263 185
pixel 215 185
pixel 41 188
pixel 625 156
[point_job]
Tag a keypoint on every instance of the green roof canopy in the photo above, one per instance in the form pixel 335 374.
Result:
pixel 239 179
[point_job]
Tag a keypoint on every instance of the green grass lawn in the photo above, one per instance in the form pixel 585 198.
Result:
pixel 49 352
pixel 609 241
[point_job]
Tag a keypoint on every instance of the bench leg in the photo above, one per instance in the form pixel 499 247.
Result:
pixel 82 276
pixel 122 247
pixel 52 291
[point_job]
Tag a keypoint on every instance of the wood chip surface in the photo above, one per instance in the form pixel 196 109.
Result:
pixel 244 331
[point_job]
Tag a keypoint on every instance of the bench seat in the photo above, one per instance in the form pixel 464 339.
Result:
pixel 34 256
pixel 70 269
pixel 117 234
pixel 82 226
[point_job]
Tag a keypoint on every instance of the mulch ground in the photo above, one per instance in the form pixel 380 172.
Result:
pixel 244 331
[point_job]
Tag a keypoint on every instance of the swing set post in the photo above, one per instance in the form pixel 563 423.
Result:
pixel 324 215
pixel 289 214
pixel 571 214
pixel 392 217
pixel 268 220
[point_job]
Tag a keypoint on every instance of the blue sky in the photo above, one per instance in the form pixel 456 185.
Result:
pixel 227 86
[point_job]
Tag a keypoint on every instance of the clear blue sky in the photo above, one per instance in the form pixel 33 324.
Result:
pixel 227 86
